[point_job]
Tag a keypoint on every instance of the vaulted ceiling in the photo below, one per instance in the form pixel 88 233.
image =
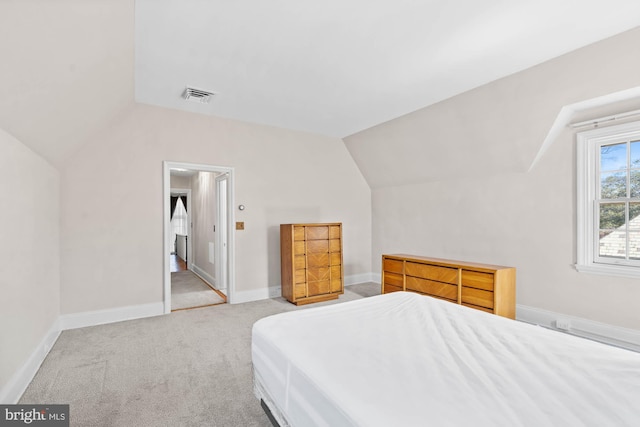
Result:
pixel 68 68
pixel 337 67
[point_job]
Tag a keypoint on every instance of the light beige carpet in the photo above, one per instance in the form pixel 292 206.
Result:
pixel 188 290
pixel 188 368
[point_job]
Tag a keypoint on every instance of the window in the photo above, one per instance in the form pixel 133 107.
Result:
pixel 608 204
pixel 179 219
pixel 179 223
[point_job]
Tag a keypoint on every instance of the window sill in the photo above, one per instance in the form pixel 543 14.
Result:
pixel 609 270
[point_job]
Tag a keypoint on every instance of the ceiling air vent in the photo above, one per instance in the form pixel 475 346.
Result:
pixel 197 95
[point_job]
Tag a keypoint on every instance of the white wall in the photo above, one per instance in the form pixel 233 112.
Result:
pixel 29 272
pixel 183 182
pixel 181 247
pixel 452 181
pixel 111 210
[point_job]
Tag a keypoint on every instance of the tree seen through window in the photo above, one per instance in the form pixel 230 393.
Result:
pixel 619 203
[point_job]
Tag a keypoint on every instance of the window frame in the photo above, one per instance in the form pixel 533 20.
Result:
pixel 587 206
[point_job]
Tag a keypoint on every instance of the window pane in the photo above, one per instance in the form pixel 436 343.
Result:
pixel 612 216
pixel 634 244
pixel 613 157
pixel 635 182
pixel 613 185
pixel 613 243
pixel 634 216
pixel 635 154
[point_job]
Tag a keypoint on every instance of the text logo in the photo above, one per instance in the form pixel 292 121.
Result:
pixel 34 415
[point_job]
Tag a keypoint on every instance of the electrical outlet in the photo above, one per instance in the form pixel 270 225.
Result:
pixel 563 324
pixel 240 225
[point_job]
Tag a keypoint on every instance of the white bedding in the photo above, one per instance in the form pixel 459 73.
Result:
pixel 403 359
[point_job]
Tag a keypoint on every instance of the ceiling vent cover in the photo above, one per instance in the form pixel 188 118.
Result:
pixel 197 95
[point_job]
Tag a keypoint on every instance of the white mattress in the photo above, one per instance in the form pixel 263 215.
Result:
pixel 403 359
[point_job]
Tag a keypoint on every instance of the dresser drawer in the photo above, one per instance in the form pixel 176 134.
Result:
pixel 438 289
pixel 477 307
pixel 298 233
pixel 299 262
pixel 334 232
pixel 393 265
pixel 317 233
pixel 317 246
pixel 319 288
pixel 393 279
pixel 299 248
pixel 476 279
pixel 317 273
pixel 300 291
pixel 336 258
pixel 335 245
pixel 336 285
pixel 434 272
pixel 391 288
pixel 336 271
pixel 300 276
pixel 477 297
pixel 317 260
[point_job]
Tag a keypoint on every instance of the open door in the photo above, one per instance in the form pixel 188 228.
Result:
pixel 222 228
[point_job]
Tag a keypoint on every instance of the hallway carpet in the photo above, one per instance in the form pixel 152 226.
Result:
pixel 188 290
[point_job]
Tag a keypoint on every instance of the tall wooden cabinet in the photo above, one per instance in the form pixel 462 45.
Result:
pixel 484 287
pixel 311 261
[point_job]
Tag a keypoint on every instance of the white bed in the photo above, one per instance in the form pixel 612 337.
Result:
pixel 403 359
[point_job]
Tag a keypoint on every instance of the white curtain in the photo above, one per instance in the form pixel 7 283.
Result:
pixel 179 225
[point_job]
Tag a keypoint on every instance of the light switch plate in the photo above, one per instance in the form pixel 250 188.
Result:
pixel 240 225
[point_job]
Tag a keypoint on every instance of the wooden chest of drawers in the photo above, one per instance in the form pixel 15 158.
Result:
pixel 311 262
pixel 481 286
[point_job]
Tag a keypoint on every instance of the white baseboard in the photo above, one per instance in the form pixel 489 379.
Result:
pixel 12 391
pixel 276 291
pixel 204 275
pixel 256 294
pixel 111 315
pixel 597 331
pixel 15 387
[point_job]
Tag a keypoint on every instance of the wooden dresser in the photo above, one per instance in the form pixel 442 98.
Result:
pixel 311 261
pixel 485 287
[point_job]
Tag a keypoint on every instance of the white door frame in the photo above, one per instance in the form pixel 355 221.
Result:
pixel 187 192
pixel 166 193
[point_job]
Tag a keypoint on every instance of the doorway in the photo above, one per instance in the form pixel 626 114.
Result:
pixel 220 250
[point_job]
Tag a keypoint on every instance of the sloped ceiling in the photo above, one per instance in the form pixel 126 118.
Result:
pixel 505 126
pixel 66 70
pixel 334 68
pixel 337 67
